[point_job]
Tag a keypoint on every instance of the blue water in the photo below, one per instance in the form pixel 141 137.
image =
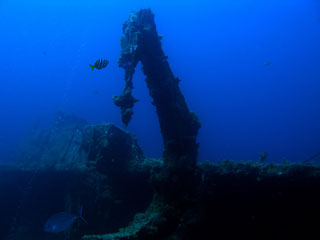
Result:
pixel 249 69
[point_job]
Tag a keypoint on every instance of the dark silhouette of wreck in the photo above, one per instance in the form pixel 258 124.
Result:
pixel 128 196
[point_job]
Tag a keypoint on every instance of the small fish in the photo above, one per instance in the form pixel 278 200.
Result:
pixel 96 92
pixel 118 202
pixel 203 177
pixel 267 64
pixel 61 222
pixel 99 64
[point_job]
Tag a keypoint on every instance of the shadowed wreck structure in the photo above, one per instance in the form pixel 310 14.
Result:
pixel 179 126
pixel 128 196
pixel 181 207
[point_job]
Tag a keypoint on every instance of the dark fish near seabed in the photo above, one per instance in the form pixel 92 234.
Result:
pixel 61 222
pixel 99 64
pixel 118 202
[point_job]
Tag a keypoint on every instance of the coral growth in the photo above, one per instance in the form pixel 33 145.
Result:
pixel 179 126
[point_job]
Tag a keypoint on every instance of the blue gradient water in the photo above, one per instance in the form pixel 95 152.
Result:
pixel 219 49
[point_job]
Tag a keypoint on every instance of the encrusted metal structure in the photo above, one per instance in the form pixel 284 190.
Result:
pixel 179 127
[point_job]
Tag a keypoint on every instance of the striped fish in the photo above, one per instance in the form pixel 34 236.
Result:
pixel 99 64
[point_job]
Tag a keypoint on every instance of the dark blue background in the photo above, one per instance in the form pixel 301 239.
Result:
pixel 217 48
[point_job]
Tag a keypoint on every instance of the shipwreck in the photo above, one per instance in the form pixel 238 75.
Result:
pixel 127 196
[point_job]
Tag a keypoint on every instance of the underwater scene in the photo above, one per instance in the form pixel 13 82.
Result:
pixel 159 119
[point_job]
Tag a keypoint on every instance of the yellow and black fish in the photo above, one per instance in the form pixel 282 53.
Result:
pixel 99 64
